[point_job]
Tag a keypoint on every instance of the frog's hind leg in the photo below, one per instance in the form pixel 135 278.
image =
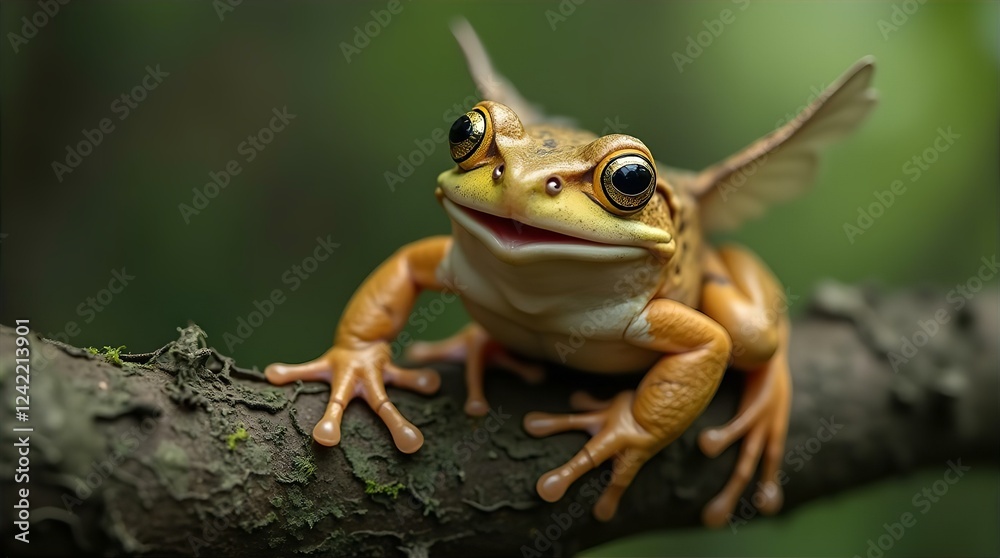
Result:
pixel 474 346
pixel 741 294
pixel 762 422
pixel 639 423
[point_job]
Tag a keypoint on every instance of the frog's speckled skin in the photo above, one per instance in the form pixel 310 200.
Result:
pixel 551 269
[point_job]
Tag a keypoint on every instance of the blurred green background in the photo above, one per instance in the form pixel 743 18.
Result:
pixel 324 174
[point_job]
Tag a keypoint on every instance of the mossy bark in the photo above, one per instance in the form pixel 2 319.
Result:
pixel 182 452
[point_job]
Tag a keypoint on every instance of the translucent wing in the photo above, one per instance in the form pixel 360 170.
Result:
pixel 492 85
pixel 782 164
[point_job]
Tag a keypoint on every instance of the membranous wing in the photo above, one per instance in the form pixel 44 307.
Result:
pixel 784 163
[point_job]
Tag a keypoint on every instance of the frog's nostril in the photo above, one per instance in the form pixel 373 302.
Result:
pixel 498 172
pixel 553 186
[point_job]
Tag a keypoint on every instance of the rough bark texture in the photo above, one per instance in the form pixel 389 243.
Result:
pixel 181 452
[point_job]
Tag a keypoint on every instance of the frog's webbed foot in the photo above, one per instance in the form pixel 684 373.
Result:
pixel 474 346
pixel 360 372
pixel 616 433
pixel 762 422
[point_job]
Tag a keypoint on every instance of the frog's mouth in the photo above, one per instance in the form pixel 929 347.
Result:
pixel 518 242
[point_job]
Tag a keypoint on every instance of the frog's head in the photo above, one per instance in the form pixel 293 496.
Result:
pixel 544 191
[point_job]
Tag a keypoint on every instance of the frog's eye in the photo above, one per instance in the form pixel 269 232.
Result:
pixel 467 137
pixel 625 182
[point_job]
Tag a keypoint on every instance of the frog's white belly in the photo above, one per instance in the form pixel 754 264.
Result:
pixel 567 311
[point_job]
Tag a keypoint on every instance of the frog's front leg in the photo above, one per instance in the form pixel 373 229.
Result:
pixel 359 363
pixel 473 346
pixel 638 424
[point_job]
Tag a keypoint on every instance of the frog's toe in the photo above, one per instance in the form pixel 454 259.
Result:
pixel 718 510
pixel 547 424
pixel 616 434
pixel 713 441
pixel 476 406
pixel 424 380
pixel 371 387
pixel 606 443
pixel 473 345
pixel 769 497
pixel 452 349
pixel 762 445
pixel 327 430
pixel 405 435
pixel 318 370
pixel 626 465
pixel 763 425
pixel 591 420
pixel 360 372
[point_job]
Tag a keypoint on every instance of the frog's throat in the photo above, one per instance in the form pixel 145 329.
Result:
pixel 515 242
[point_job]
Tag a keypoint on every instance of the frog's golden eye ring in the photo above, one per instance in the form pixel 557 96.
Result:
pixel 467 137
pixel 625 182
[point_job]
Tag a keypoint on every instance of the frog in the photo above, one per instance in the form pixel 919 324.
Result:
pixel 583 250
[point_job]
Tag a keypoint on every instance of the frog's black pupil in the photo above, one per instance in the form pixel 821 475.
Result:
pixel 632 179
pixel 461 130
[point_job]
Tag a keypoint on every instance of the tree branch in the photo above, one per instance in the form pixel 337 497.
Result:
pixel 182 452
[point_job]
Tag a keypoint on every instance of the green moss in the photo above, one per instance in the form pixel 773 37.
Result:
pixel 372 487
pixel 302 512
pixel 241 435
pixel 110 354
pixel 271 517
pixel 305 467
